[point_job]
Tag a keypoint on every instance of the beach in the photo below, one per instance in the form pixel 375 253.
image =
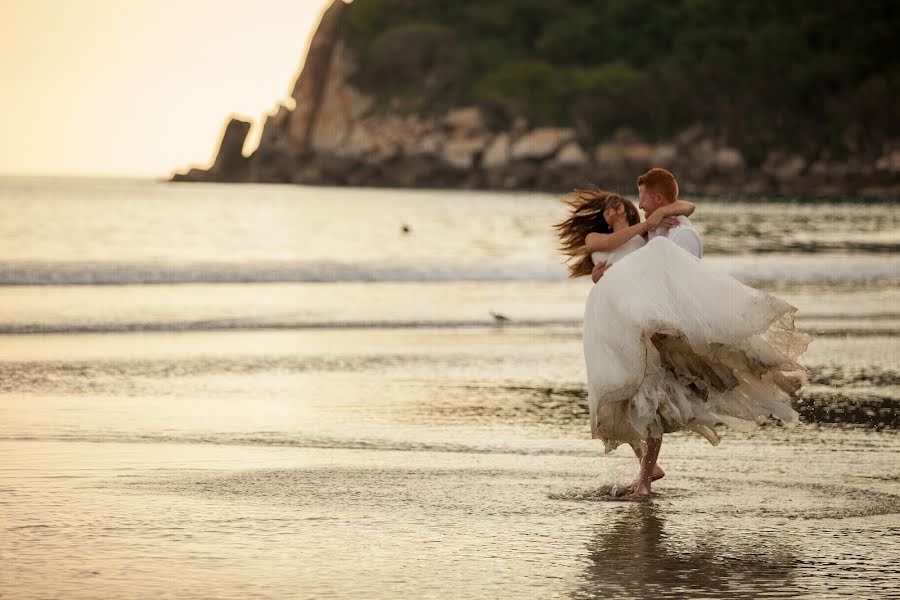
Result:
pixel 273 391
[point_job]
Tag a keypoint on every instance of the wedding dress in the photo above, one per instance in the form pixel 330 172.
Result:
pixel 671 344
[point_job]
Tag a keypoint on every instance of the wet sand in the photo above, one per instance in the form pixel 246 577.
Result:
pixel 189 520
pixel 391 463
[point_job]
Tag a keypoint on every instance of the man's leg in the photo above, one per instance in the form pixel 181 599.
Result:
pixel 658 472
pixel 648 467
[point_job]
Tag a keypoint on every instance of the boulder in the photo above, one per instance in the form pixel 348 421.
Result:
pixel 465 121
pixel 617 154
pixel 638 154
pixel 571 155
pixel 664 155
pixel 460 153
pixel 497 154
pixel 609 154
pixel 784 169
pixel 428 145
pixel 541 143
pixel 728 159
pixel 889 162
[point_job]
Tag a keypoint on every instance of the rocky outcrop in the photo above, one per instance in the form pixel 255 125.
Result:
pixel 336 133
pixel 315 78
pixel 230 164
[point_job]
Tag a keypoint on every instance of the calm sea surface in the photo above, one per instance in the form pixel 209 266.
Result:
pixel 274 391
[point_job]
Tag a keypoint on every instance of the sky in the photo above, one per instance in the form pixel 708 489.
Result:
pixel 140 87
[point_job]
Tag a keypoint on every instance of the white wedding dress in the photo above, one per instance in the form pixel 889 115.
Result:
pixel 725 353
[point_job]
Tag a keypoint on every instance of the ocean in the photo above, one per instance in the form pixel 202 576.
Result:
pixel 233 391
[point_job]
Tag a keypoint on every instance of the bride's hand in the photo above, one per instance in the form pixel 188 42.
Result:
pixel 657 219
pixel 599 269
pixel 670 222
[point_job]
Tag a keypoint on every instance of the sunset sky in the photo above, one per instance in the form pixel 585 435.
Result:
pixel 140 87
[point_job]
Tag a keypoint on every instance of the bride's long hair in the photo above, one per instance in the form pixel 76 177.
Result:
pixel 586 208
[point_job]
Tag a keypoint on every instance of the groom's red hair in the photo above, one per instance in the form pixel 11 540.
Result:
pixel 660 181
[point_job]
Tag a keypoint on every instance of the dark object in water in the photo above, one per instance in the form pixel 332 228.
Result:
pixel 499 318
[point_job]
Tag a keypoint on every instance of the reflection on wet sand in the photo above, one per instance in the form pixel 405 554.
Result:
pixel 634 556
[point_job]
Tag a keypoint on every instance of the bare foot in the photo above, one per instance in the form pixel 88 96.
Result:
pixel 650 471
pixel 640 490
pixel 658 473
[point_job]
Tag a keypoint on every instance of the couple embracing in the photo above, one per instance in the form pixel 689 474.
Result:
pixel 669 343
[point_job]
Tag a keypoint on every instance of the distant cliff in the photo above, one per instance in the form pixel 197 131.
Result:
pixel 749 98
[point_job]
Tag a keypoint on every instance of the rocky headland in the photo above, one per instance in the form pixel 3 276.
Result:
pixel 338 131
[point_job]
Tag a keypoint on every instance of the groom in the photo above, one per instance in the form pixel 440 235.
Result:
pixel 657 188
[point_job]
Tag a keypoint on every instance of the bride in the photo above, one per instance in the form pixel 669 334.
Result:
pixel 670 344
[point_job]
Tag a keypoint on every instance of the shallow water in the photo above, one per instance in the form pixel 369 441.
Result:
pixel 280 436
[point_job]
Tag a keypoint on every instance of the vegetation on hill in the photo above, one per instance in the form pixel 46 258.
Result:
pixel 805 75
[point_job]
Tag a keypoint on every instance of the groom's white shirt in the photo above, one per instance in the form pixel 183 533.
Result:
pixel 683 235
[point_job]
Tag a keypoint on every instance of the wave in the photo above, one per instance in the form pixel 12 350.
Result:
pixel 825 325
pixel 275 439
pixel 808 269
pixel 250 325
pixel 747 268
pixel 127 274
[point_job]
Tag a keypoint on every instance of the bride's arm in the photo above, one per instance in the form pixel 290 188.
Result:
pixel 604 242
pixel 679 208
pixel 675 209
